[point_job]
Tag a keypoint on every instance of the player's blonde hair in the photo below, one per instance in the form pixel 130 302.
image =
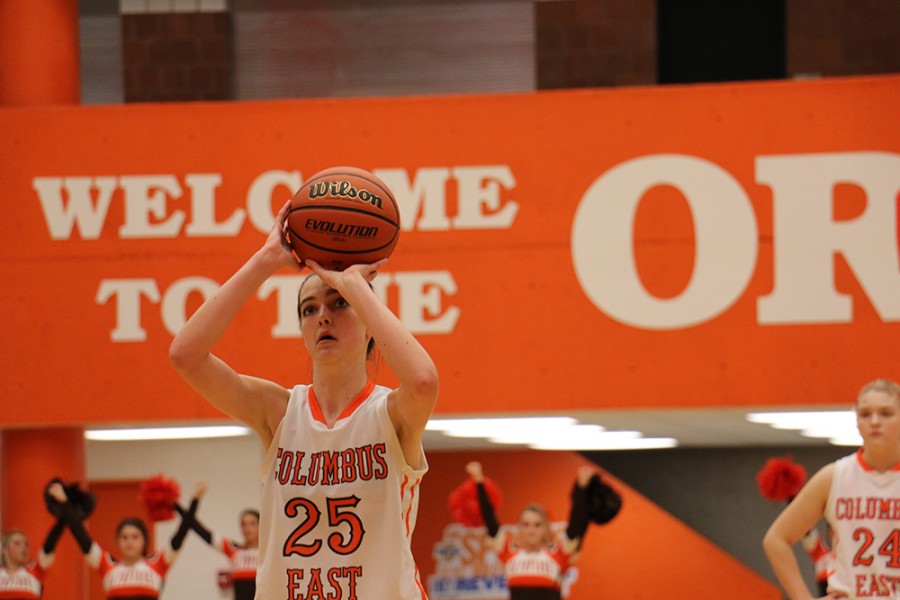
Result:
pixel 880 385
pixel 4 543
pixel 539 510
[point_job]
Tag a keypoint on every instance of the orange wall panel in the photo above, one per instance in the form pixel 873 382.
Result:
pixel 644 552
pixel 644 247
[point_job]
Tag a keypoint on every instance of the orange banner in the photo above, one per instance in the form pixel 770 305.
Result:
pixel 726 245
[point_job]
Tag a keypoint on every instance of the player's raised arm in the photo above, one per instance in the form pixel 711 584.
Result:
pixel 257 402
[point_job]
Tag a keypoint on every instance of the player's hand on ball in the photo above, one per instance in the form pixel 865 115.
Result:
pixel 336 279
pixel 276 243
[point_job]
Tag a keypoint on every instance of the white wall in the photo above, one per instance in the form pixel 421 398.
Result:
pixel 229 466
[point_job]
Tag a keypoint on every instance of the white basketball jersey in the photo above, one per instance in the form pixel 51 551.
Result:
pixel 339 505
pixel 863 509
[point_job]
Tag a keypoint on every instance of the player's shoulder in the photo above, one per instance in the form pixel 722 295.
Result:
pixel 826 473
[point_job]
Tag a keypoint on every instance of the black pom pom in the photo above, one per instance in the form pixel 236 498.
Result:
pixel 604 503
pixel 82 501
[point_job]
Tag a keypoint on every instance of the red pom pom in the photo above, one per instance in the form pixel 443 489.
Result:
pixel 159 495
pixel 780 479
pixel 463 502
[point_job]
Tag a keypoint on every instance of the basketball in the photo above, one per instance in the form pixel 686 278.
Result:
pixel 343 216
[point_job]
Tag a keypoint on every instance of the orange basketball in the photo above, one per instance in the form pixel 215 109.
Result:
pixel 343 216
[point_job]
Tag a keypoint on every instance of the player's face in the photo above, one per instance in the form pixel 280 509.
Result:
pixel 330 326
pixel 250 529
pixel 131 542
pixel 533 530
pixel 878 418
pixel 17 549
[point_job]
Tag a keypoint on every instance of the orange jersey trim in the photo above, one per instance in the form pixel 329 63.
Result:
pixel 316 410
pixel 866 466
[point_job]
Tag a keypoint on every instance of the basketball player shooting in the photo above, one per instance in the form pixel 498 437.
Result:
pixel 344 457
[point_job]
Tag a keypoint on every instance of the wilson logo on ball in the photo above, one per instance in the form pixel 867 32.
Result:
pixel 342 189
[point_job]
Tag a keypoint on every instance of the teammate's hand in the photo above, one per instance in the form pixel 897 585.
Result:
pixel 200 489
pixel 584 475
pixel 57 492
pixel 475 471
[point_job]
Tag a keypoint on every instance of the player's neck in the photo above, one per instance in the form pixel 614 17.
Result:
pixel 882 458
pixel 335 391
pixel 12 566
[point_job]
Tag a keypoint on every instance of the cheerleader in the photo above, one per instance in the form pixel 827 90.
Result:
pixel 136 574
pixel 21 577
pixel 535 561
pixel 244 556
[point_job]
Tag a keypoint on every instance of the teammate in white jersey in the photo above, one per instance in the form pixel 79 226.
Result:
pixel 339 450
pixel 859 496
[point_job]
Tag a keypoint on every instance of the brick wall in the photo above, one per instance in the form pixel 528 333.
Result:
pixel 843 37
pixel 176 50
pixel 598 43
pixel 177 56
pixel 595 43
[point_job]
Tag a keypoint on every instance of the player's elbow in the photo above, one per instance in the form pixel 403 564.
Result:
pixel 772 542
pixel 425 383
pixel 177 355
pixel 180 356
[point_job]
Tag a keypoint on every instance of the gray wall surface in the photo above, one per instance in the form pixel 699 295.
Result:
pixel 714 491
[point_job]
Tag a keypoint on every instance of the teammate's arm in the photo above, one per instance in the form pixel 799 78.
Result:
pixel 188 519
pixel 46 555
pixel 790 526
pixel 75 521
pixel 476 472
pixel 578 512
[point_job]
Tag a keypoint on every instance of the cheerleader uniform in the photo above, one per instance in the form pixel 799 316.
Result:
pixel 244 562
pixel 27 582
pixel 536 575
pixel 821 556
pixel 142 580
